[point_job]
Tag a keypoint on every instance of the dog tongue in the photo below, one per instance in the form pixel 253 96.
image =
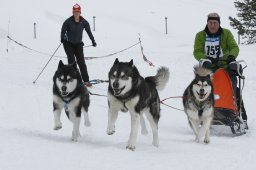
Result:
pixel 117 92
pixel 64 93
pixel 202 95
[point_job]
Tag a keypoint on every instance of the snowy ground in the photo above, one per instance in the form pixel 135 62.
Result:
pixel 28 140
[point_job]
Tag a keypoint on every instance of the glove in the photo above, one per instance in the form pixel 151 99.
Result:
pixel 94 43
pixel 235 67
pixel 230 59
pixel 213 60
pixel 232 64
pixel 206 63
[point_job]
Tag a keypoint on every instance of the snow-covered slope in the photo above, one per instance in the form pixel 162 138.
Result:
pixel 28 140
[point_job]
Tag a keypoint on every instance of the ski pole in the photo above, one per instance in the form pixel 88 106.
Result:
pixel 7 44
pixel 47 63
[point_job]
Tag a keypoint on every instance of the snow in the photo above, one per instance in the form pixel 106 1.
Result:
pixel 28 140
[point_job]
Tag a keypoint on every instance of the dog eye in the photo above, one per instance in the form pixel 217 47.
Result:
pixel 60 79
pixel 112 77
pixel 124 77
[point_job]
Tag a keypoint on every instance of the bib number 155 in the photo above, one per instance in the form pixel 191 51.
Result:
pixel 212 50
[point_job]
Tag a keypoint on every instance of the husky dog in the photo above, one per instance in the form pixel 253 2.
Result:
pixel 198 102
pixel 70 94
pixel 129 91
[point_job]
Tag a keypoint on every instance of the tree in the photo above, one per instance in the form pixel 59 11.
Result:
pixel 246 24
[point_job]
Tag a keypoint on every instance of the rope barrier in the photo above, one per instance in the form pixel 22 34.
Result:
pixel 86 58
pixel 109 55
pixel 144 57
pixel 20 44
pixel 89 58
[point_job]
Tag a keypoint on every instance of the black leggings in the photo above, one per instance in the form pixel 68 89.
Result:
pixel 75 53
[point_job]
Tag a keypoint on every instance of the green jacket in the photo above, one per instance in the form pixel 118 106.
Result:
pixel 227 43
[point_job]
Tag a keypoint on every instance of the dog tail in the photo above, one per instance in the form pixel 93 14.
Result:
pixel 161 78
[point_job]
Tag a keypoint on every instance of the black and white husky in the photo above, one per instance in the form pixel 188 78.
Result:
pixel 198 101
pixel 129 91
pixel 70 94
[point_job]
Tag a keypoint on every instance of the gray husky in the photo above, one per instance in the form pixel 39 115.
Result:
pixel 198 102
pixel 129 91
pixel 69 93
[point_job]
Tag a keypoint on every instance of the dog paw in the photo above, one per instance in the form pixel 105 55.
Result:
pixel 130 147
pixel 75 135
pixel 206 140
pixel 111 131
pixel 57 127
pixel 87 123
pixel 144 132
pixel 74 139
pixel 156 143
pixel 124 110
pixel 197 140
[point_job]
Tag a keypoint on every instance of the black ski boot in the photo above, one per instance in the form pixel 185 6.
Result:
pixel 237 127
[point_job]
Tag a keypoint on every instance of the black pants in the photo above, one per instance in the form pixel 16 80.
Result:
pixel 236 90
pixel 75 53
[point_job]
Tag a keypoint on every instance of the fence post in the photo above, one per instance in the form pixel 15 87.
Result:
pixel 94 23
pixel 238 37
pixel 34 30
pixel 166 25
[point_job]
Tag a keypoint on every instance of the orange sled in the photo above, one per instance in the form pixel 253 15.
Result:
pixel 225 109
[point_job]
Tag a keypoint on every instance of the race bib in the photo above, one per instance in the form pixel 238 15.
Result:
pixel 212 47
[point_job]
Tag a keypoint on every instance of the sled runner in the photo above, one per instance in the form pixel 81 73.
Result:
pixel 228 106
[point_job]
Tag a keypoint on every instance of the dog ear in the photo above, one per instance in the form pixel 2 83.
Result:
pixel 60 65
pixel 131 62
pixel 116 61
